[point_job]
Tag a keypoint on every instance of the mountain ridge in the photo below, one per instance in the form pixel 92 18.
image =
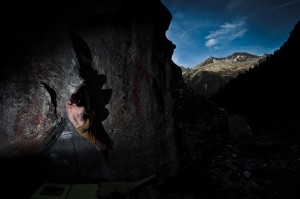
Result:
pixel 207 77
pixel 237 56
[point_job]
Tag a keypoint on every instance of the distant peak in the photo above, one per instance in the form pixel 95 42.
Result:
pixel 242 56
pixel 210 60
pixel 236 57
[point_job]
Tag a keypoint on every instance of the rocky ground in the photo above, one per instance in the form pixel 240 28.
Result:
pixel 222 157
pixel 268 169
pixel 260 171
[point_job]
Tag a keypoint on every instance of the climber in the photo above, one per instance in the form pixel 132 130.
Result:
pixel 81 116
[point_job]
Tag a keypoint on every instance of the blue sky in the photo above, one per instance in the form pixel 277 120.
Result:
pixel 204 28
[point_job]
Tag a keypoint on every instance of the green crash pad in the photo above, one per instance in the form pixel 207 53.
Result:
pixel 66 191
pixel 102 190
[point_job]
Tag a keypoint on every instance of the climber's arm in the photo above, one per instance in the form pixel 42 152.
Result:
pixel 70 113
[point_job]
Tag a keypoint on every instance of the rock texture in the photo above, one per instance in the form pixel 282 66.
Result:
pixel 206 78
pixel 130 55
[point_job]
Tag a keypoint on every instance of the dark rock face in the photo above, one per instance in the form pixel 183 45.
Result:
pixel 131 56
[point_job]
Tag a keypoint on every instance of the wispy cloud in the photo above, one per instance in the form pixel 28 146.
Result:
pixel 286 4
pixel 226 33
